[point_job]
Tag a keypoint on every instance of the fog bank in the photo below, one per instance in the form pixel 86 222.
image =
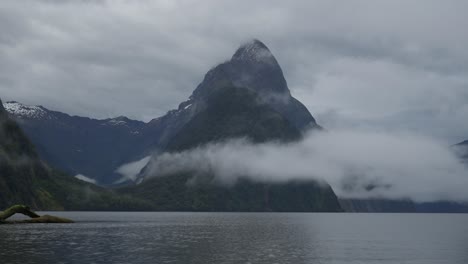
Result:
pixel 356 164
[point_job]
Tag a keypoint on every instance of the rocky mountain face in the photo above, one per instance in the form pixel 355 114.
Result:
pixel 254 67
pixel 233 112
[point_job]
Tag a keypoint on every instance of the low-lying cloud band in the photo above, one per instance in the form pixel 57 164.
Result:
pixel 355 164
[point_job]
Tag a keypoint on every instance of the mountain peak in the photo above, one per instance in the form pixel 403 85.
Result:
pixel 254 50
pixel 254 67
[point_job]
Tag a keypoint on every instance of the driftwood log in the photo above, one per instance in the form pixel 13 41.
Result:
pixel 35 218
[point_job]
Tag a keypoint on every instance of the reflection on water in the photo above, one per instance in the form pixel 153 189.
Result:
pixel 102 237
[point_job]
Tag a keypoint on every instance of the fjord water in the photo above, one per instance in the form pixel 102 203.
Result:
pixel 122 237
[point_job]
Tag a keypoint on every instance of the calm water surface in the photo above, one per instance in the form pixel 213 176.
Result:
pixel 103 237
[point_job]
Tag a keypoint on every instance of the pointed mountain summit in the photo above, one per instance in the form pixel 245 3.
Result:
pixel 251 82
pixel 254 67
pixel 254 51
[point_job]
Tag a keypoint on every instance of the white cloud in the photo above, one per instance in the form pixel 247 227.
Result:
pixel 356 164
pixel 131 170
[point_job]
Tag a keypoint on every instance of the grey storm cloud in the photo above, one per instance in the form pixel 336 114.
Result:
pixel 373 65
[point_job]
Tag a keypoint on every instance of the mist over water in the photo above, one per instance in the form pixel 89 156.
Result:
pixel 357 164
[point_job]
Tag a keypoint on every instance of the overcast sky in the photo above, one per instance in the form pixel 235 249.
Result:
pixel 372 65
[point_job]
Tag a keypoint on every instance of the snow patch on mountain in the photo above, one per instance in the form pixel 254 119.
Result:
pixel 254 51
pixel 116 122
pixel 21 110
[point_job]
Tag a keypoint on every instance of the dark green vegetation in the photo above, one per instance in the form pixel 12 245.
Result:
pixel 183 192
pixel 25 179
